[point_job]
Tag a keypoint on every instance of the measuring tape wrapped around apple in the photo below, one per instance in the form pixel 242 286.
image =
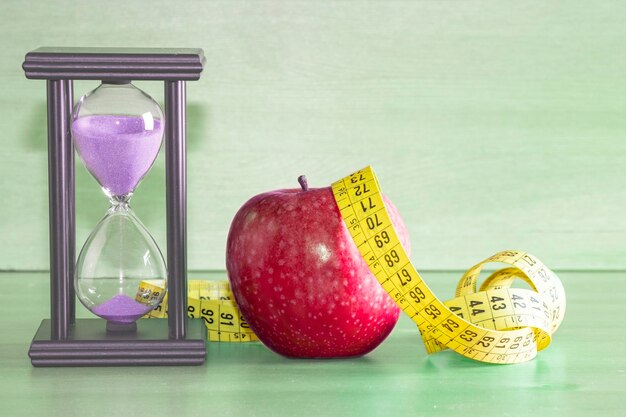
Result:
pixel 305 297
pixel 496 324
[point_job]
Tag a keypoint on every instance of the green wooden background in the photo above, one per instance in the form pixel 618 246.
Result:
pixel 492 125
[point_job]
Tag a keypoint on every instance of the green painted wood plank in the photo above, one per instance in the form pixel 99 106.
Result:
pixel 580 374
pixel 495 125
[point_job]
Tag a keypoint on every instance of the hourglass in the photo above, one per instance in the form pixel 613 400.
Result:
pixel 117 131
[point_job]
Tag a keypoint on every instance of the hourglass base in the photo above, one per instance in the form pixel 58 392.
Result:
pixel 89 344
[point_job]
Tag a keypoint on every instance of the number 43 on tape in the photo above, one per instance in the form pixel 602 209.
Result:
pixel 495 323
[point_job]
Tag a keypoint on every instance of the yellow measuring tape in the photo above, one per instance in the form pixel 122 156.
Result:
pixel 212 301
pixel 496 324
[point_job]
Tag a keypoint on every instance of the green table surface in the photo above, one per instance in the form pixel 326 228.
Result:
pixel 581 373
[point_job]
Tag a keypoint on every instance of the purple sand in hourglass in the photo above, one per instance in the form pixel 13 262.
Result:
pixel 117 150
pixel 121 309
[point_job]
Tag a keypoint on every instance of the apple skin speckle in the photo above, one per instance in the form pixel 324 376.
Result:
pixel 306 291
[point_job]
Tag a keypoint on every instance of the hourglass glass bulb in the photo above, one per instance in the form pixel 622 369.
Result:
pixel 118 255
pixel 117 131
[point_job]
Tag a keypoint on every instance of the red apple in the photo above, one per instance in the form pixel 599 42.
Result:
pixel 299 279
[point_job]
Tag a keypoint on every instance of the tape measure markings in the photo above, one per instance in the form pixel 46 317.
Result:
pixel 504 330
pixel 212 301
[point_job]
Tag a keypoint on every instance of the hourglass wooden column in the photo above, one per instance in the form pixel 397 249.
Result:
pixel 63 340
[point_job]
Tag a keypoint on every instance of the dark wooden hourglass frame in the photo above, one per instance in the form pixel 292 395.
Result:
pixel 64 340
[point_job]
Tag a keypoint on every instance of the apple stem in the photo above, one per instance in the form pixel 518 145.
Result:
pixel 303 183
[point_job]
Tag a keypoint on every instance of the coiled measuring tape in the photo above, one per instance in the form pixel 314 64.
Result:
pixel 496 323
pixel 212 301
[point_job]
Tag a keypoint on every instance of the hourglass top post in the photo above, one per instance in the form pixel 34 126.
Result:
pixel 64 63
